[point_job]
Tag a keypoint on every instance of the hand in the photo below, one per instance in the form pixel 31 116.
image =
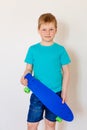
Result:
pixel 24 81
pixel 63 96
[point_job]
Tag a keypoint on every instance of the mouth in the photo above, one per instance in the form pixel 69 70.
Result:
pixel 47 36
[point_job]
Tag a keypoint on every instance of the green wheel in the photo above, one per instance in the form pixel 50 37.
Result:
pixel 26 90
pixel 58 119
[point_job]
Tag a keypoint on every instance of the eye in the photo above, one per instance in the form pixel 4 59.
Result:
pixel 44 30
pixel 51 29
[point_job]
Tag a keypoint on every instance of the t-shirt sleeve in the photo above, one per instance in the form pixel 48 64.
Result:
pixel 65 59
pixel 29 56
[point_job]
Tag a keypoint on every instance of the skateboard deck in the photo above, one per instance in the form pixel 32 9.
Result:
pixel 50 99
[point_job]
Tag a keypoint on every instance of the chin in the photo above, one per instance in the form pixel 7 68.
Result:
pixel 48 40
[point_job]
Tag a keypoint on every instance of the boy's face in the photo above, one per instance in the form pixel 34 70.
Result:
pixel 47 32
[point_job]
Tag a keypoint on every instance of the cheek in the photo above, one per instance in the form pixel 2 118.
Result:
pixel 52 33
pixel 41 32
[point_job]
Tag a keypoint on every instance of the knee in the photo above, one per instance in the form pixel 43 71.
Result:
pixel 32 126
pixel 50 124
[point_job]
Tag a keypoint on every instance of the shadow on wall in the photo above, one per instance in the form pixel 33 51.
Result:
pixel 73 101
pixel 62 32
pixel 74 84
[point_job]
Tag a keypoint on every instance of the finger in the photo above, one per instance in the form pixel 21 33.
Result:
pixel 26 82
pixel 63 101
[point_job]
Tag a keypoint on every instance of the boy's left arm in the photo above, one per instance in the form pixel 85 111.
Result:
pixel 66 77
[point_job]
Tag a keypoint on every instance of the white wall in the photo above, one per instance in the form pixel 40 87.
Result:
pixel 18 29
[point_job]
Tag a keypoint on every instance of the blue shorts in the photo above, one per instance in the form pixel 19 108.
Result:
pixel 36 110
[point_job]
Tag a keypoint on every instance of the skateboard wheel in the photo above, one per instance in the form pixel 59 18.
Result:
pixel 26 90
pixel 58 119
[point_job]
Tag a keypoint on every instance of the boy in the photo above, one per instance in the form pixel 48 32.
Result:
pixel 50 63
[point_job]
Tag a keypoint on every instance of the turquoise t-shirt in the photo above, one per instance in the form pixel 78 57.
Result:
pixel 47 62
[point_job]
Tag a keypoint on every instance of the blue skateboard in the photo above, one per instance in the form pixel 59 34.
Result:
pixel 50 99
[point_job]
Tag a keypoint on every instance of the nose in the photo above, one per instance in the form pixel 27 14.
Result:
pixel 47 31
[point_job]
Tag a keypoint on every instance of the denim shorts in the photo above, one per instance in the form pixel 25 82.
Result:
pixel 37 111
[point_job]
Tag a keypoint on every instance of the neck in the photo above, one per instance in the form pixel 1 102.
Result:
pixel 47 43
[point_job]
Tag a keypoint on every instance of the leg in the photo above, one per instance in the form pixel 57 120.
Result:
pixel 35 113
pixel 49 125
pixel 32 126
pixel 50 118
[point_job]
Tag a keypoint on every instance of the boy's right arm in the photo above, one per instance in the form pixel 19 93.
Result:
pixel 27 70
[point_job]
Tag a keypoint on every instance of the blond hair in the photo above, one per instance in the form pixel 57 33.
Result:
pixel 47 18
